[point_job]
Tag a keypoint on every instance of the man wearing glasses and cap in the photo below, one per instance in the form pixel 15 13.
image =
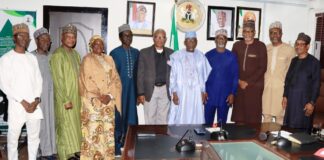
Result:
pixel 302 86
pixel 221 85
pixel 125 58
pixel 21 81
pixel 47 131
pixel 64 65
pixel 279 58
pixel 252 60
pixel 189 73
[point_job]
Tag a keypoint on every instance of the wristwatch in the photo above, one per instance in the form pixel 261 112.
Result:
pixel 38 99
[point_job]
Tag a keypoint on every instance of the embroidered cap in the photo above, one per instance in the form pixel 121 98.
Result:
pixel 40 32
pixel 275 24
pixel 20 28
pixel 304 37
pixel 69 28
pixel 221 32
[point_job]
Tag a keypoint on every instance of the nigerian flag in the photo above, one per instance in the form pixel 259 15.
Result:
pixel 174 44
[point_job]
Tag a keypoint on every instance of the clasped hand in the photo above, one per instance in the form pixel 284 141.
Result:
pixel 29 107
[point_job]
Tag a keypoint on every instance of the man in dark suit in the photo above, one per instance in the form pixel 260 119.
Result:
pixel 153 76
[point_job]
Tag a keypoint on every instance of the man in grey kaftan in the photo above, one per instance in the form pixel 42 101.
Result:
pixel 47 129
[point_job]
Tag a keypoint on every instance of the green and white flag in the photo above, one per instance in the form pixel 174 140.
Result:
pixel 174 44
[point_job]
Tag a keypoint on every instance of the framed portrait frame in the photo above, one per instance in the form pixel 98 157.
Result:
pixel 220 17
pixel 244 14
pixel 140 17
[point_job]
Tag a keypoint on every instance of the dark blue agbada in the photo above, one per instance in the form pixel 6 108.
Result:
pixel 302 86
pixel 126 64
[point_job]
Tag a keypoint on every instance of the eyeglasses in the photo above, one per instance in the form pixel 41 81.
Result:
pixel 160 38
pixel 248 31
pixel 300 44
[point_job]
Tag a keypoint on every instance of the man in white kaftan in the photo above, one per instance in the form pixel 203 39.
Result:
pixel 21 81
pixel 189 72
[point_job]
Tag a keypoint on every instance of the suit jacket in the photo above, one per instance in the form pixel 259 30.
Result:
pixel 146 71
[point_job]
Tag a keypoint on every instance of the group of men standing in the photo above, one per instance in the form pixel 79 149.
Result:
pixel 269 81
pixel 182 87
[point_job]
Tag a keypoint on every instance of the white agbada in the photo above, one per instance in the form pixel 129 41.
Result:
pixel 20 79
pixel 189 72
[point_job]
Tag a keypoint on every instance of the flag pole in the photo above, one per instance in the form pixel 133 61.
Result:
pixel 174 32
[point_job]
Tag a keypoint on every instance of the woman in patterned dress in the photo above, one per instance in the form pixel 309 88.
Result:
pixel 100 90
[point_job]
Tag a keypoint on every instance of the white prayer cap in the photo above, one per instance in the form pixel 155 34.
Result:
pixel 275 24
pixel 220 32
pixel 124 27
pixel 190 35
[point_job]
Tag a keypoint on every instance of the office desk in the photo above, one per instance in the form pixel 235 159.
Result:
pixel 158 141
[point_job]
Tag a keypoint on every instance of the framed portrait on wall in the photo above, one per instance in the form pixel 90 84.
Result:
pixel 244 14
pixel 220 18
pixel 140 17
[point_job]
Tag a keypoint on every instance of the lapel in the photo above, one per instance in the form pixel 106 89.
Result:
pixel 151 55
pixel 167 57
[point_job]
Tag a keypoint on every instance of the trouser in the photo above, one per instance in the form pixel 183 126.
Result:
pixel 14 130
pixel 268 118
pixel 118 133
pixel 156 110
pixel 210 110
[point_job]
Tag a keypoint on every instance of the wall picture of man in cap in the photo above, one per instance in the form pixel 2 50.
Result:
pixel 64 65
pixel 141 21
pixel 125 58
pixel 221 85
pixel 47 131
pixel 252 59
pixel 279 58
pixel 302 86
pixel 189 73
pixel 141 17
pixel 21 81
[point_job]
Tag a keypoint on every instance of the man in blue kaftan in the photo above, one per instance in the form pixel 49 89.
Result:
pixel 189 73
pixel 221 85
pixel 125 58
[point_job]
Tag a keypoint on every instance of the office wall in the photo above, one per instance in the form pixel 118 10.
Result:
pixel 296 16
